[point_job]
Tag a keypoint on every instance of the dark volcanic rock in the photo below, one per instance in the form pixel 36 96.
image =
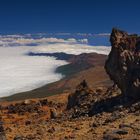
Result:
pixel 44 102
pixel 1 128
pixel 80 101
pixel 19 138
pixel 51 130
pixel 80 93
pixel 114 134
pixel 53 113
pixel 21 108
pixel 123 63
pixel 86 102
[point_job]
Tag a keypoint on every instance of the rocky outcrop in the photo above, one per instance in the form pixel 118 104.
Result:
pixel 73 99
pixel 80 101
pixel 123 63
pixel 87 102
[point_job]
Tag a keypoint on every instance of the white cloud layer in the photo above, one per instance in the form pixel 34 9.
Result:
pixel 71 49
pixel 20 72
pixel 11 40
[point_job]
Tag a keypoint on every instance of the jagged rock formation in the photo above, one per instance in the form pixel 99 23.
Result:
pixel 123 63
pixel 80 101
pixel 73 99
pixel 87 102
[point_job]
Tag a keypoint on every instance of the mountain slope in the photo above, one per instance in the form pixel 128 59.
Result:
pixel 84 66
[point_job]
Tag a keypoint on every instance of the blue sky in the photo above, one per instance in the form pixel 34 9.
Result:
pixel 85 16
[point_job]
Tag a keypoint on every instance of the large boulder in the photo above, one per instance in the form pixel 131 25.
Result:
pixel 123 63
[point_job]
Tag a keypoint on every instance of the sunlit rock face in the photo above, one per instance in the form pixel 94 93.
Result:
pixel 123 63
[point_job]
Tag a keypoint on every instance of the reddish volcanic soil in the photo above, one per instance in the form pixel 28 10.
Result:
pixel 49 119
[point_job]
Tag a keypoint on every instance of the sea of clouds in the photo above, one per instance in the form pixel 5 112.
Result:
pixel 20 72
